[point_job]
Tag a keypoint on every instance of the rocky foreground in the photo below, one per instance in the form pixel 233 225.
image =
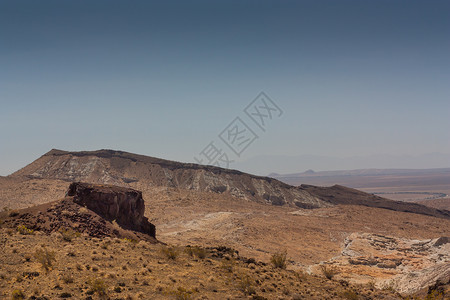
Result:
pixel 37 265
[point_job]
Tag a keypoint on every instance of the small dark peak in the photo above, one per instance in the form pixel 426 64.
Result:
pixel 309 172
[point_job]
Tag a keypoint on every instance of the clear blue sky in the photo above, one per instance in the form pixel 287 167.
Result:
pixel 163 79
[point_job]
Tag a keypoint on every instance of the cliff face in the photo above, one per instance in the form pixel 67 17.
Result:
pixel 123 205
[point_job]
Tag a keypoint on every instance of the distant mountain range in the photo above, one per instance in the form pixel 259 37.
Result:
pixel 266 164
pixel 361 172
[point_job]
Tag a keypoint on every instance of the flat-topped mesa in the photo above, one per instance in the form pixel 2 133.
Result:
pixel 124 205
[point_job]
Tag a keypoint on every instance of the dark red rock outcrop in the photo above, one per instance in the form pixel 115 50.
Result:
pixel 123 205
pixel 95 210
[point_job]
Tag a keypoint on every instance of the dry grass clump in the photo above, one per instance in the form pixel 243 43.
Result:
pixel 67 278
pixel 98 286
pixel 17 295
pixel 246 284
pixel 196 251
pixel 350 295
pixel 228 264
pixel 45 257
pixel 278 260
pixel 328 271
pixel 69 234
pixel 22 229
pixel 170 252
pixel 182 293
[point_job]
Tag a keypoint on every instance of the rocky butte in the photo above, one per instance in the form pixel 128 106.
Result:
pixel 97 210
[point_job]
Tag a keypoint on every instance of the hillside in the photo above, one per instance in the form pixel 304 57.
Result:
pixel 140 172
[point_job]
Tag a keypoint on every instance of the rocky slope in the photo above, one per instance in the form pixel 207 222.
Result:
pixel 141 172
pixel 401 264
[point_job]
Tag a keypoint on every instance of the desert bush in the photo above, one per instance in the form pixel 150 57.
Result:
pixel 328 271
pixel 435 295
pixel 67 278
pixel 22 229
pixel 13 213
pixel 350 295
pixel 17 295
pixel 246 284
pixel 45 257
pixel 278 260
pixel 170 252
pixel 69 234
pixel 65 295
pixel 196 251
pixel 182 294
pixel 98 286
pixel 228 264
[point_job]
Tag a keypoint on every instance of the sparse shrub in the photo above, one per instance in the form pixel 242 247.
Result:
pixel 132 241
pixel 245 284
pixel 22 229
pixel 13 213
pixel 170 252
pixel 98 286
pixel 435 295
pixel 17 295
pixel 182 294
pixel 67 278
pixel 65 295
pixel 45 257
pixel 118 289
pixel 278 260
pixel 196 251
pixel 328 271
pixel 350 295
pixel 228 264
pixel 69 234
pixel 30 275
